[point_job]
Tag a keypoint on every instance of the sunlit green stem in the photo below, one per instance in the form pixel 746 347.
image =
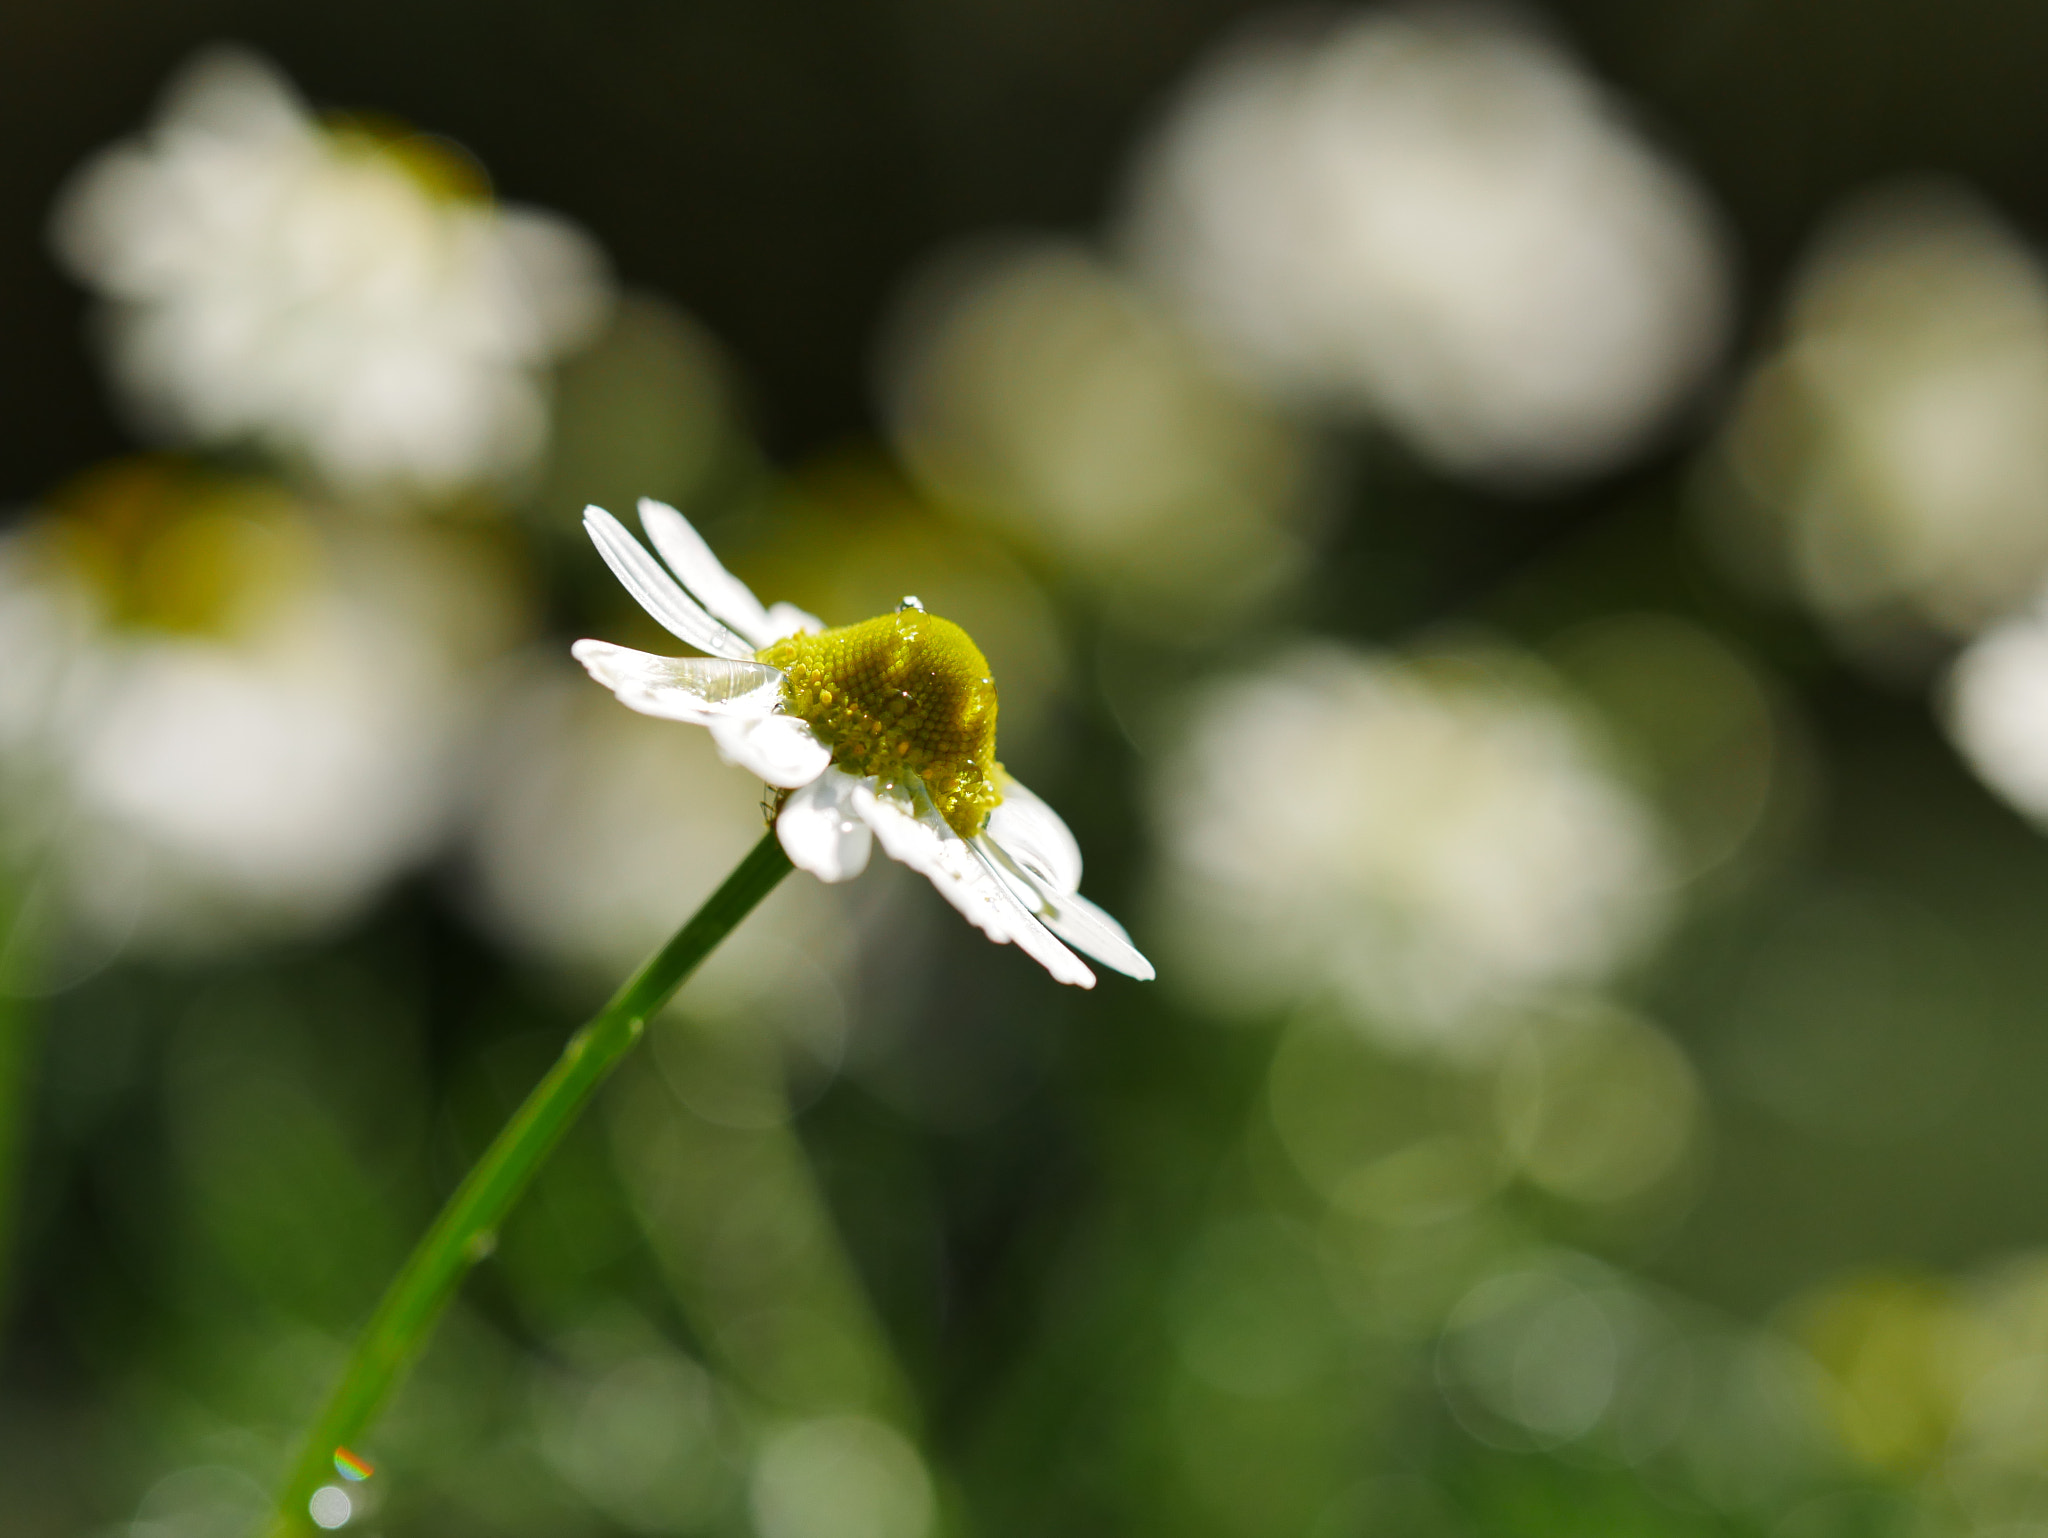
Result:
pixel 467 1227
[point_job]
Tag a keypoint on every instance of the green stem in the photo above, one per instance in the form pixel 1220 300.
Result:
pixel 467 1227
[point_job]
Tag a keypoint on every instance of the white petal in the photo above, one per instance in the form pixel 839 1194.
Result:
pixel 1087 928
pixel 783 750
pixel 656 590
pixel 695 689
pixel 1069 915
pixel 913 832
pixel 820 832
pixel 1032 834
pixel 786 619
pixel 728 598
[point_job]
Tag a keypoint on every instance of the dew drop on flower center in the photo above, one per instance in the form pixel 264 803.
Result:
pixel 906 691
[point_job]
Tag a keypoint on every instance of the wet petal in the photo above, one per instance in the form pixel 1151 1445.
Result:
pixel 783 750
pixel 1032 834
pixel 727 598
pixel 913 833
pixel 820 831
pixel 1069 915
pixel 647 580
pixel 1087 928
pixel 695 689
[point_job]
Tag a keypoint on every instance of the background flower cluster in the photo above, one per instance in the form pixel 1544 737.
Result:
pixel 1517 539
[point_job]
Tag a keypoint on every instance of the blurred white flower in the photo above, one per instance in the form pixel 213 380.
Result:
pixel 1427 846
pixel 883 730
pixel 222 722
pixel 1894 453
pixel 1435 219
pixel 1034 386
pixel 342 295
pixel 1998 709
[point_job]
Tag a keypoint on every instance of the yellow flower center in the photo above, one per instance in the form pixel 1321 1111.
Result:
pixel 441 168
pixel 905 693
pixel 168 547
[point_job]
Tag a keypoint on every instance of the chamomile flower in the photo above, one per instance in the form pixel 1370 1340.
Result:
pixel 343 292
pixel 228 719
pixel 1483 861
pixel 1431 217
pixel 884 730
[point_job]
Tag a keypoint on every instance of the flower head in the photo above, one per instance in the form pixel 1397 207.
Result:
pixel 225 720
pixel 344 293
pixel 1481 859
pixel 1434 219
pixel 1891 459
pixel 881 730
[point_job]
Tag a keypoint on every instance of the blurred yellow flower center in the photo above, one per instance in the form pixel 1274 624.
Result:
pixel 443 170
pixel 905 692
pixel 170 548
